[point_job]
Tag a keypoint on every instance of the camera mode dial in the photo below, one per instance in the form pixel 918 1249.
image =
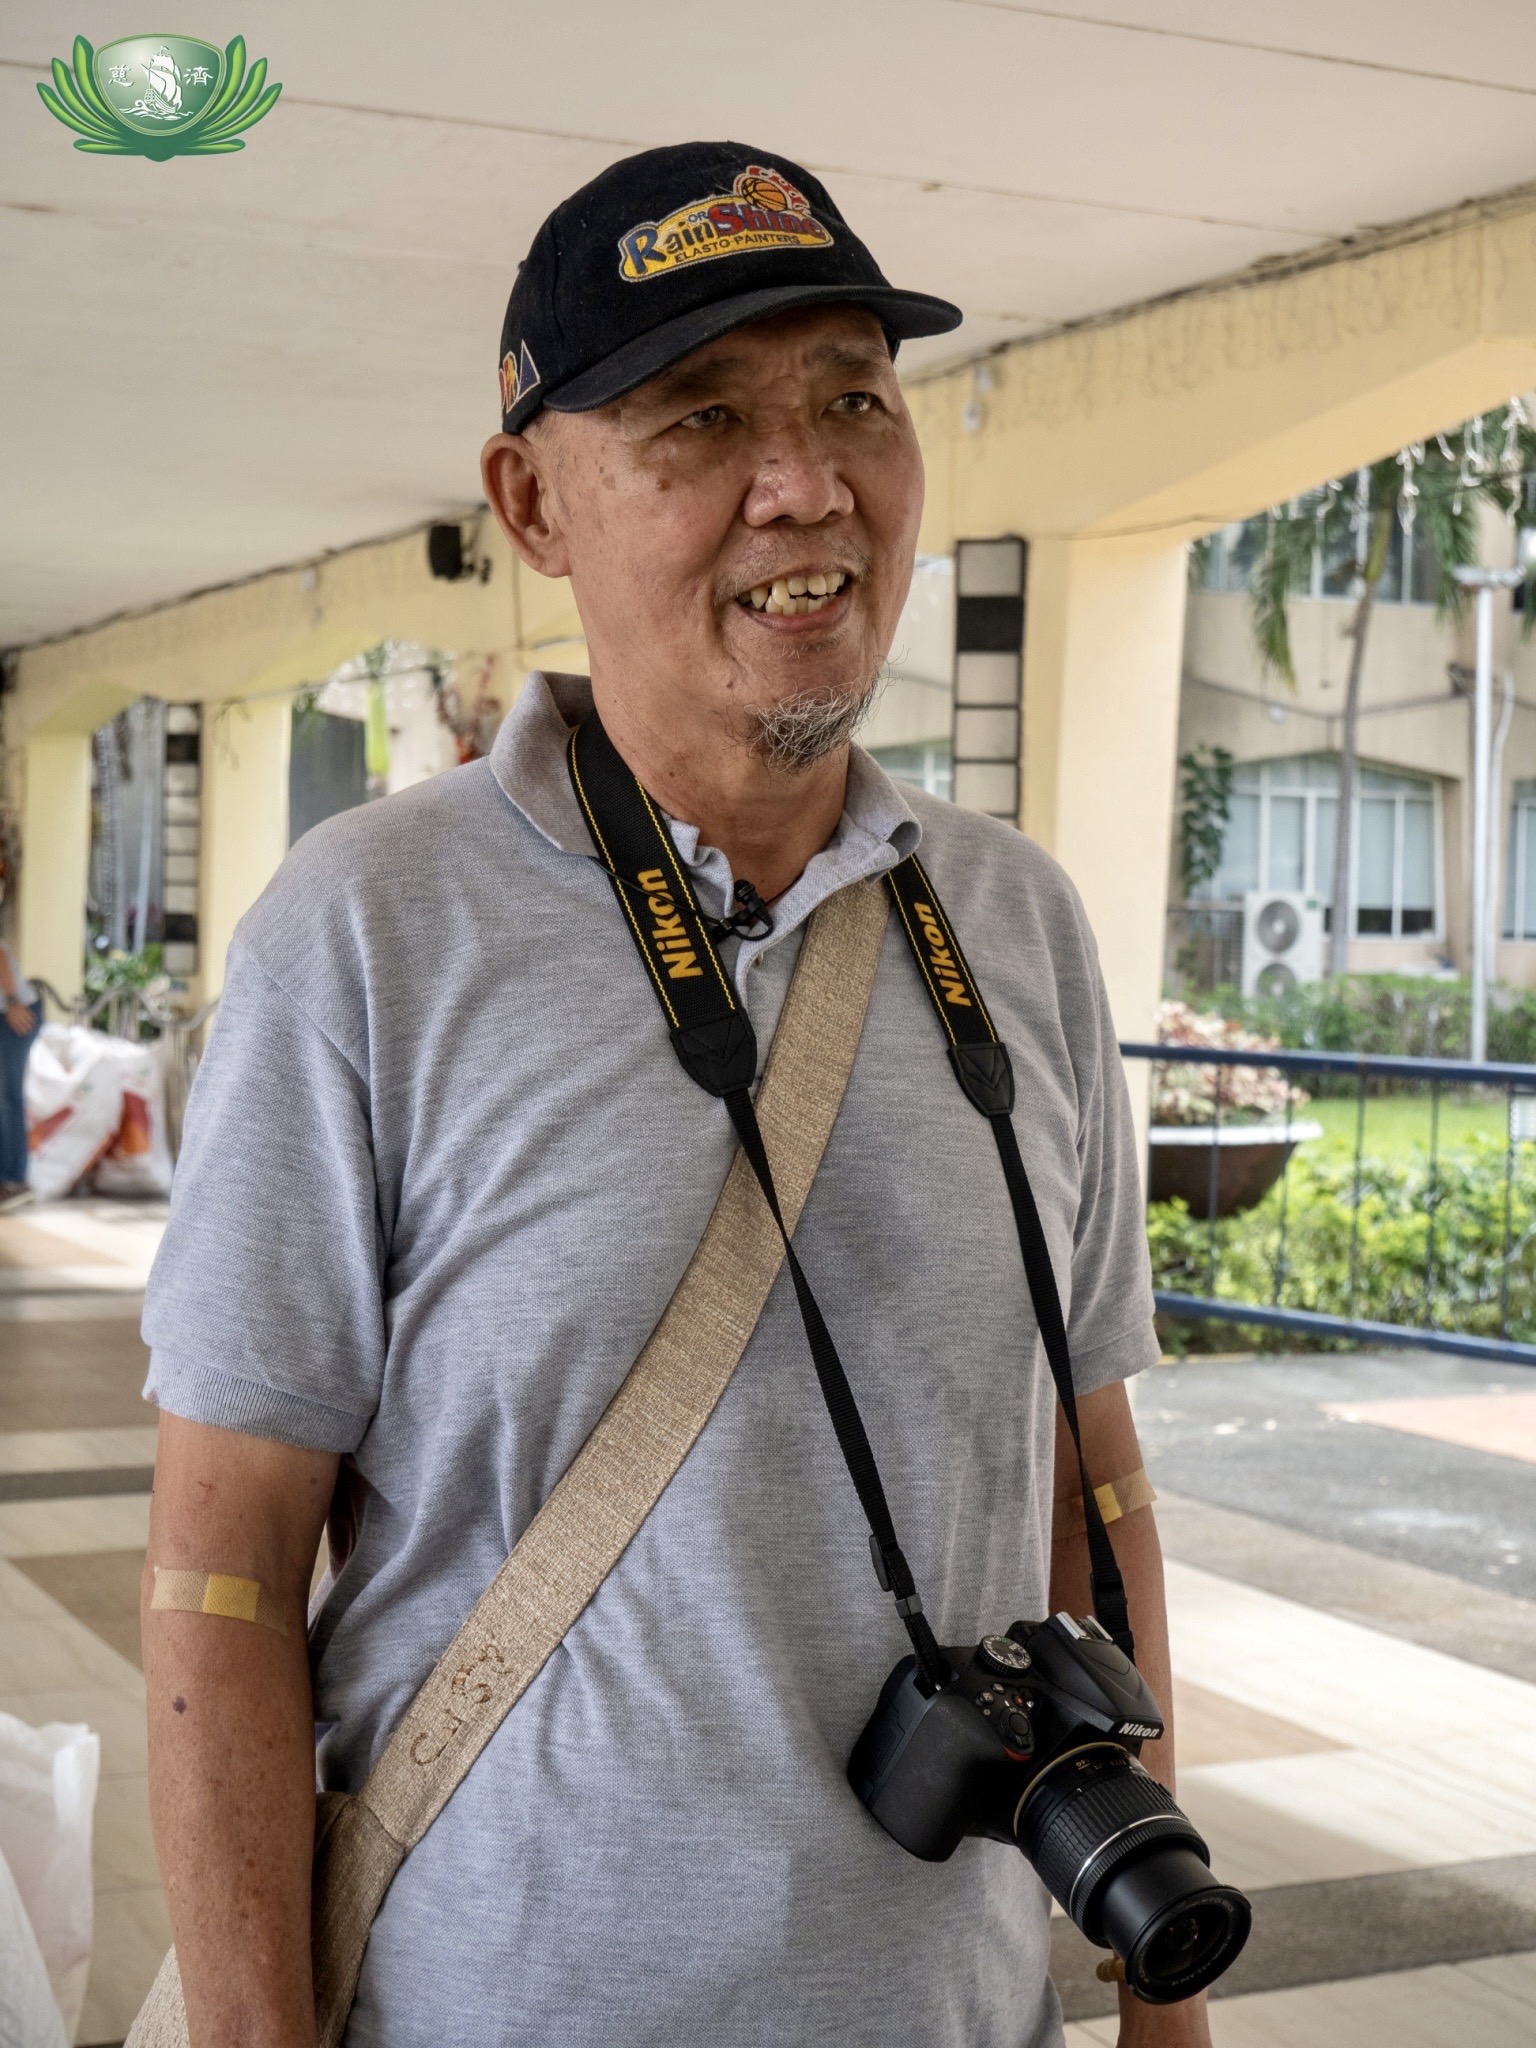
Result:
pixel 1002 1653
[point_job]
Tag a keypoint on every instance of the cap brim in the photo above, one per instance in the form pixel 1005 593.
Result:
pixel 904 315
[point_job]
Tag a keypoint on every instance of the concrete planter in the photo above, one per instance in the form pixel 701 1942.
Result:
pixel 1251 1158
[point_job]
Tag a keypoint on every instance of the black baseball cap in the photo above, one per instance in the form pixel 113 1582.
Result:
pixel 670 249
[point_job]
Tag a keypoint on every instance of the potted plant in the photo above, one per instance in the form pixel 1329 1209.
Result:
pixel 1219 1130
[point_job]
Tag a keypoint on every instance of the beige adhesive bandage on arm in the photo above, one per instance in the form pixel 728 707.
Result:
pixel 1116 1498
pixel 216 1593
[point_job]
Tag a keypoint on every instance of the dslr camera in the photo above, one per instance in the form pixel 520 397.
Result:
pixel 1034 1741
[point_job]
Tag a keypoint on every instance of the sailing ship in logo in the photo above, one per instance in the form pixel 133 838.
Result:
pixel 161 98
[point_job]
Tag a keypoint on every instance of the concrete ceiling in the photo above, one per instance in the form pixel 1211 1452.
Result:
pixel 211 366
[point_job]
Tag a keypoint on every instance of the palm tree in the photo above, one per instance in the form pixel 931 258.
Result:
pixel 1436 487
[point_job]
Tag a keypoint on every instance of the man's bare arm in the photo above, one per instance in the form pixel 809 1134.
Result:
pixel 1113 1453
pixel 231 1729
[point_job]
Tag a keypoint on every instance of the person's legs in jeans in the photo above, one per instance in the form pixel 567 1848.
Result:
pixel 14 1049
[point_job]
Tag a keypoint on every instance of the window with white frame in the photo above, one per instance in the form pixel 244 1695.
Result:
pixel 1520 889
pixel 926 765
pixel 1282 828
pixel 1410 575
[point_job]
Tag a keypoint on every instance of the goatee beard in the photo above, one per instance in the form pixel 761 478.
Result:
pixel 802 730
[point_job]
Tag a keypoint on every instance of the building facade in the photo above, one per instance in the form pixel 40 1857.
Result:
pixel 1412 842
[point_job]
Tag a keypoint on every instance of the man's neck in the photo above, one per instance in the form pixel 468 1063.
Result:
pixel 768 822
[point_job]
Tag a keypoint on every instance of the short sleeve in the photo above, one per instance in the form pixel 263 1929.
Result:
pixel 264 1311
pixel 1110 1326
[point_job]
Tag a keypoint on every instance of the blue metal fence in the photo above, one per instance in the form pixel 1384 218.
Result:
pixel 1365 1074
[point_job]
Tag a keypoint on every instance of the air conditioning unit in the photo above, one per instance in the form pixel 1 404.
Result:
pixel 1282 941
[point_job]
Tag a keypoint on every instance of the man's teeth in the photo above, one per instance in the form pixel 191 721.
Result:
pixel 794 594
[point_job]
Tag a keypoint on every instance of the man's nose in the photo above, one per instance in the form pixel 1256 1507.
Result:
pixel 796 480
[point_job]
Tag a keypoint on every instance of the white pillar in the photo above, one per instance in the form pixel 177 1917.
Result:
pixel 1482 733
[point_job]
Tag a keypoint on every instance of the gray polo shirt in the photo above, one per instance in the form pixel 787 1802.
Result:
pixel 442 1172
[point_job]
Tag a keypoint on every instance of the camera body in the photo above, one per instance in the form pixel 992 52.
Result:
pixel 1034 1741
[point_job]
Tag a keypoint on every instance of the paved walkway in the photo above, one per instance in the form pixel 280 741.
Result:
pixel 1357 1727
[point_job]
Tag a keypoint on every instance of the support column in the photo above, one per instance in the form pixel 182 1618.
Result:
pixel 55 858
pixel 1102 661
pixel 245 749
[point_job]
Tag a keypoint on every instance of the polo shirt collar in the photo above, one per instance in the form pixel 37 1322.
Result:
pixel 876 831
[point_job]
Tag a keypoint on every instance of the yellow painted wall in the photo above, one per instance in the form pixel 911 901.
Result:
pixel 244 820
pixel 243 653
pixel 295 626
pixel 1104 629
pixel 1187 414
pixel 56 816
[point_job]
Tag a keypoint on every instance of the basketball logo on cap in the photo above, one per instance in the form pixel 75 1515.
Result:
pixel 518 376
pixel 763 210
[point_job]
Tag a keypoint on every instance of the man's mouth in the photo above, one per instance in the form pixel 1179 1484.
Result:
pixel 791 595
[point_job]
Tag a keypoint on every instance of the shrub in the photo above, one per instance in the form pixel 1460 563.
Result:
pixel 106 973
pixel 1447 1226
pixel 1424 1017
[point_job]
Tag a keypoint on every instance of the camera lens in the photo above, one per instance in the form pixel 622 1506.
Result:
pixel 1131 1871
pixel 1175 1926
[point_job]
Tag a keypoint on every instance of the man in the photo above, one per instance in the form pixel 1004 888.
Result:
pixel 21 1012
pixel 443 1172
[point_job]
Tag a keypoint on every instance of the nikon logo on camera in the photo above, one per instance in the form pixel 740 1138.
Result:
pixel 669 935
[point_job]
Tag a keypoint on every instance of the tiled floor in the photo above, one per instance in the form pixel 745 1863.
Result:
pixel 1487 2004
pixel 71 1366
pixel 1317 1749
pixel 54 1668
pixel 73 1450
pixel 79 1247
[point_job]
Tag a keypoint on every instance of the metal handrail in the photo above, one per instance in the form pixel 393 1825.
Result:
pixel 1514 1079
pixel 1363 1065
pixel 86 1011
pixel 47 990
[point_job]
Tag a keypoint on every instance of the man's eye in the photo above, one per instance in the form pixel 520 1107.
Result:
pixel 706 416
pixel 855 402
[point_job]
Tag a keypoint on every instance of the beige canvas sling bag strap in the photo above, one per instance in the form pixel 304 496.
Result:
pixel 615 1479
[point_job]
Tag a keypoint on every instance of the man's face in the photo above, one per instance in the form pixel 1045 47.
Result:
pixel 740 530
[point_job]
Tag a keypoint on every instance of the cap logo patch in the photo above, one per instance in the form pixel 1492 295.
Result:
pixel 518 376
pixel 763 210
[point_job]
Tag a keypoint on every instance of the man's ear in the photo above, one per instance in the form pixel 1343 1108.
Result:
pixel 515 472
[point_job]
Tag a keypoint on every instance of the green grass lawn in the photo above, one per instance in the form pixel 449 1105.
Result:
pixel 1397 1125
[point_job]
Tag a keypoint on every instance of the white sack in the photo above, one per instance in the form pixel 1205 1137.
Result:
pixel 28 2016
pixel 138 1160
pixel 95 1113
pixel 47 1800
pixel 74 1102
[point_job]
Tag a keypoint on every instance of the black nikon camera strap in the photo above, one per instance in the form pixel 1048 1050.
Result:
pixel 714 1040
pixel 985 1073
pixel 712 1035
